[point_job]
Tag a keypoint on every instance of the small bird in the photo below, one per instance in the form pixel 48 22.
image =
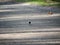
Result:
pixel 29 22
pixel 50 13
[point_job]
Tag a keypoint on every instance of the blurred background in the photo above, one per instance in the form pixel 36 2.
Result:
pixel 29 22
